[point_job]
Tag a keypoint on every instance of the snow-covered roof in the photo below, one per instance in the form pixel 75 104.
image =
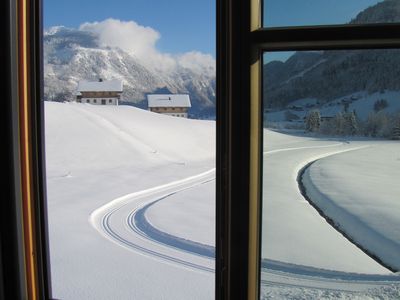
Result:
pixel 114 85
pixel 168 100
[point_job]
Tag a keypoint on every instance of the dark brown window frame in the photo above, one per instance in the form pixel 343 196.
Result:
pixel 240 44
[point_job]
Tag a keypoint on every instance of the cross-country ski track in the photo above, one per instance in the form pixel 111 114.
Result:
pixel 123 221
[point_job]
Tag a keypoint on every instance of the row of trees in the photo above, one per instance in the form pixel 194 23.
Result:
pixel 378 124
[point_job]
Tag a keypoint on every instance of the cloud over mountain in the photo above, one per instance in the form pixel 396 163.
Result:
pixel 125 50
pixel 127 35
pixel 141 41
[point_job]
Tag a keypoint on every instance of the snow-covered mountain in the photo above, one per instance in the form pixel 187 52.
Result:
pixel 330 75
pixel 383 12
pixel 71 55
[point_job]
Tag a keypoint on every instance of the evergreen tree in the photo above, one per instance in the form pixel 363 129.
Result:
pixel 380 104
pixel 350 124
pixel 378 125
pixel 313 121
pixel 339 124
pixel 396 130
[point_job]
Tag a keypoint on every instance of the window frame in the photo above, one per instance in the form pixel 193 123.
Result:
pixel 25 211
pixel 240 43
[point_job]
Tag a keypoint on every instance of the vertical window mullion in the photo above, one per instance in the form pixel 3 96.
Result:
pixel 255 159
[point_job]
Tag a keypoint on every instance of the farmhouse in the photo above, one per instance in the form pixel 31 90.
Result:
pixel 99 92
pixel 172 105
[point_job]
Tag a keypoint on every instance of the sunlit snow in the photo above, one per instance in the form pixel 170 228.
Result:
pixel 131 200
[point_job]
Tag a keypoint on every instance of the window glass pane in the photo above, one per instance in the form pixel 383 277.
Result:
pixel 130 185
pixel 278 13
pixel 330 219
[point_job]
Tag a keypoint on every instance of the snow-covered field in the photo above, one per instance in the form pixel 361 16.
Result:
pixel 301 232
pixel 132 214
pixel 360 190
pixel 98 154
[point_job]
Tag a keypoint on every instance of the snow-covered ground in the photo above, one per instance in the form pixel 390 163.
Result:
pixel 360 190
pixel 201 199
pixel 132 213
pixel 96 154
pixel 293 231
pixel 362 103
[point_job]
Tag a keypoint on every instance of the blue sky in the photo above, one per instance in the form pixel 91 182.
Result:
pixel 184 25
pixel 187 25
pixel 309 12
pixel 312 12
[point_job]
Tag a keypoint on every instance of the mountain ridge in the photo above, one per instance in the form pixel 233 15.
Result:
pixel 328 75
pixel 71 55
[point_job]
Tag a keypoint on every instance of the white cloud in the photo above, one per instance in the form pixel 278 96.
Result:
pixel 129 36
pixel 141 42
pixel 198 62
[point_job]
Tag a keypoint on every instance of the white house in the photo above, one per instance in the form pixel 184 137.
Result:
pixel 99 92
pixel 176 105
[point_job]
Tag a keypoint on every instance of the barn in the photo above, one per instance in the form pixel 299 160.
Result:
pixel 176 105
pixel 99 92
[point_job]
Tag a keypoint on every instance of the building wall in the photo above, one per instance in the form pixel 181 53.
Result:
pixel 99 101
pixel 181 115
pixel 100 94
pixel 99 98
pixel 171 111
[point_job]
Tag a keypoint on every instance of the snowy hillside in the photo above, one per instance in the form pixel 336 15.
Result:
pixel 98 154
pixel 71 55
pixel 361 103
pixel 331 75
pixel 131 204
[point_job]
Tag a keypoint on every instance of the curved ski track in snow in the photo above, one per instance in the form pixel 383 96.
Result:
pixel 135 239
pixel 279 273
pixel 137 221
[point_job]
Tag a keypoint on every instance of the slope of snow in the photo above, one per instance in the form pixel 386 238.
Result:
pixel 360 191
pixel 105 163
pixel 389 292
pixel 305 102
pixel 94 155
pixel 364 104
pixel 292 231
pixel 361 102
pixel 164 215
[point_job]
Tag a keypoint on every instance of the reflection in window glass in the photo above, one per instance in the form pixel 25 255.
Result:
pixel 131 199
pixel 278 13
pixel 330 176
